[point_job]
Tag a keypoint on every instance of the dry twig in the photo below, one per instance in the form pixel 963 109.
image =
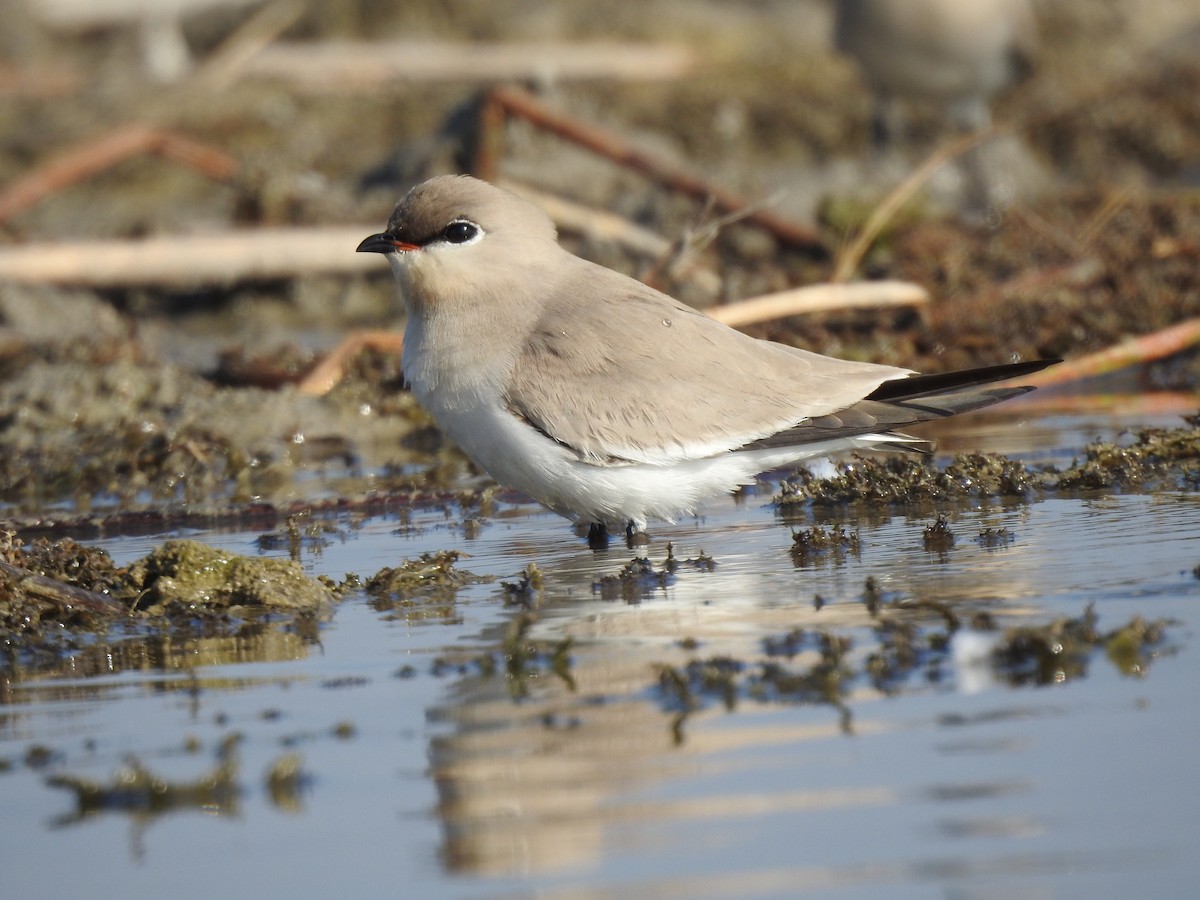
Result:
pixel 230 59
pixel 189 260
pixel 820 298
pixel 598 224
pixel 62 595
pixel 1136 351
pixel 90 157
pixel 850 258
pixel 339 66
pixel 321 378
pixel 520 103
pixel 40 81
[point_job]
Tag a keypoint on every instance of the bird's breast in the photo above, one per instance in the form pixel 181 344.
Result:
pixel 453 369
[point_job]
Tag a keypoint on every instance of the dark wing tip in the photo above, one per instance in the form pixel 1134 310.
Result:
pixel 943 382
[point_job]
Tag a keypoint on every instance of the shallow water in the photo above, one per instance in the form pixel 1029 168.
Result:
pixel 424 777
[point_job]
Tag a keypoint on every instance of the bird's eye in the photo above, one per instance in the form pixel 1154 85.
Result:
pixel 459 232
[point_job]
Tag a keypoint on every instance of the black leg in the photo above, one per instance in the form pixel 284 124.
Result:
pixel 635 537
pixel 597 536
pixel 887 125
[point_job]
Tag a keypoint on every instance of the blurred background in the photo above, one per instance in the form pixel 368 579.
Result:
pixel 135 136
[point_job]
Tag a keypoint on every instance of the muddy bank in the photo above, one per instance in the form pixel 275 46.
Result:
pixel 180 399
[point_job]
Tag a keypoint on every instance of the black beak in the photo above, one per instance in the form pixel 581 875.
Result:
pixel 383 243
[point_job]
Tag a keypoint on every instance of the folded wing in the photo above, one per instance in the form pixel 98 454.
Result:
pixel 588 370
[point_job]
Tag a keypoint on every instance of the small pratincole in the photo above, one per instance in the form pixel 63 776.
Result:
pixel 604 399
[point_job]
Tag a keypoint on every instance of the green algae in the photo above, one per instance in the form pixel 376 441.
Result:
pixel 422 590
pixel 1151 459
pixel 189 574
pixel 524 591
pixel 937 537
pixel 429 573
pixel 57 596
pixel 912 479
pixel 811 545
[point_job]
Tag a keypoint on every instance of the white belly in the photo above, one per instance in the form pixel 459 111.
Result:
pixel 519 456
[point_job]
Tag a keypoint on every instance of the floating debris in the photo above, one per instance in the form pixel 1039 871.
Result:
pixel 900 651
pixel 524 591
pixel 1160 457
pixel 78 589
pixel 994 538
pixel 61 583
pixel 429 572
pixel 66 561
pixel 39 756
pixel 1131 647
pixel 636 581
pixel 345 681
pixel 938 538
pixel 906 648
pixel 810 545
pixel 302 531
pixel 422 590
pixel 702 562
pixel 638 578
pixel 788 644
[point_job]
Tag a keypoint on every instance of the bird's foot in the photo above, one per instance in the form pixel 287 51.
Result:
pixel 597 536
pixel 636 536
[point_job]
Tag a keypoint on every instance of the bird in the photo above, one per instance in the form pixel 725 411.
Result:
pixel 604 399
pixel 958 54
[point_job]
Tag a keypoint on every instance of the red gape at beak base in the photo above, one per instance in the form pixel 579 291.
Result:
pixel 385 243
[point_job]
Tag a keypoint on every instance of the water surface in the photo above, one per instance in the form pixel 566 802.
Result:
pixel 426 776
